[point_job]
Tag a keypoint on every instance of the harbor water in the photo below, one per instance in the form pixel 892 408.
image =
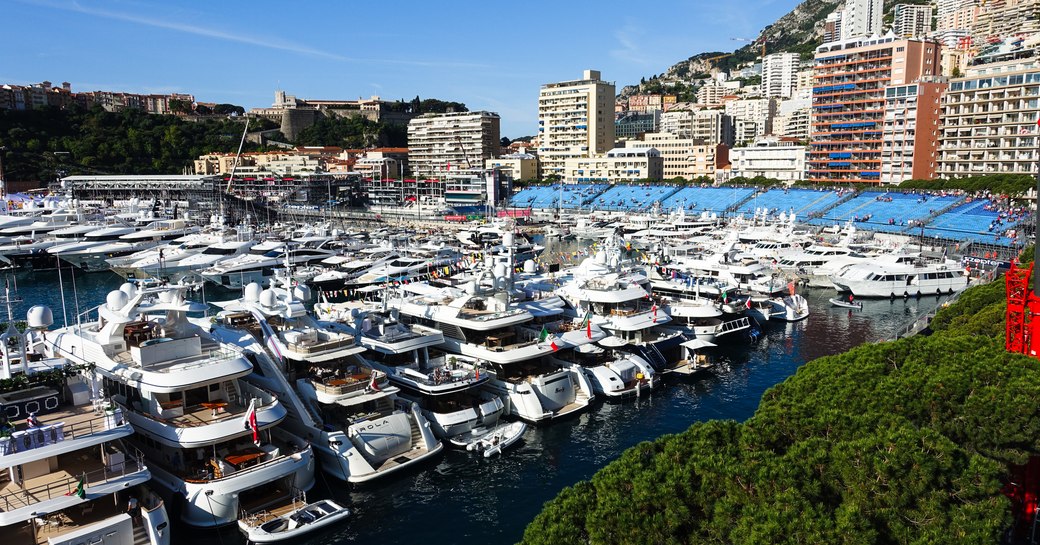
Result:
pixel 462 498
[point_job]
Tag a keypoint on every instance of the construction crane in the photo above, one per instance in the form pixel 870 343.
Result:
pixel 752 42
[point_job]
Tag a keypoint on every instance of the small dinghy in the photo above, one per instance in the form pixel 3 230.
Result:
pixel 267 527
pixel 490 441
pixel 846 304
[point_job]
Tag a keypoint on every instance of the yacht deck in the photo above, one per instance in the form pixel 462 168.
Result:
pixel 71 468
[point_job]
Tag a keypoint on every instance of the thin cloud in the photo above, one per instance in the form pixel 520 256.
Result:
pixel 228 36
pixel 628 38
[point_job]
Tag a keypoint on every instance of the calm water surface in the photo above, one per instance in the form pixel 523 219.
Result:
pixel 466 499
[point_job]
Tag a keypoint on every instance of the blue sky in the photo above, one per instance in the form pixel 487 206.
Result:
pixel 490 55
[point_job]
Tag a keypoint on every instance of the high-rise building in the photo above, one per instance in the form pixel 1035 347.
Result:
pixel 912 21
pixel 832 26
pixel 792 118
pixel 779 75
pixel 711 94
pixel 954 20
pixel 1004 18
pixel 438 143
pixel 861 18
pixel 575 119
pixel 911 131
pixel 633 124
pixel 989 119
pixel 752 117
pixel 849 102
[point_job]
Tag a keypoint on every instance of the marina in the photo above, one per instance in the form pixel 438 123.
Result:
pixel 500 493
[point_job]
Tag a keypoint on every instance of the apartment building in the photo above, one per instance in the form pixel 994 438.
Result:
pixel 634 125
pixel 912 20
pixel 1003 18
pixel 861 18
pixel 617 165
pixel 911 131
pixel 515 166
pixel 575 119
pixel 989 119
pixel 776 158
pixel 439 142
pixel 780 75
pixel 849 102
pixel 792 118
pixel 954 20
pixel 682 157
pixel 711 94
pixel 752 117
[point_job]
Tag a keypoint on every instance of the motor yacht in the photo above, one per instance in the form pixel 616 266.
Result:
pixel 211 439
pixel 903 274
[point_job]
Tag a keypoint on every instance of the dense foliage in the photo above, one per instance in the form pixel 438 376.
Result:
pixel 895 442
pixel 1005 184
pixel 352 131
pixel 42 143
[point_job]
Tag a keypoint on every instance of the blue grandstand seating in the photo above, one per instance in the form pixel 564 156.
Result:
pixel 967 221
pixel 574 195
pixel 888 216
pixel 801 201
pixel 632 197
pixel 970 221
pixel 714 199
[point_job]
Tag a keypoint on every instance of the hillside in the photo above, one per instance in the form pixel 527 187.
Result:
pixel 799 31
pixel 910 441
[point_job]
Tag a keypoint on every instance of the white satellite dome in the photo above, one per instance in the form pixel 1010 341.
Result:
pixel 39 317
pixel 501 271
pixel 129 289
pixel 530 267
pixel 507 239
pixel 116 300
pixel 252 292
pixel 267 298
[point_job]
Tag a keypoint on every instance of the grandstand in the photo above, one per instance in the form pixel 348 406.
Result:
pixel 802 202
pixel 574 195
pixel 942 217
pixel 971 221
pixel 632 197
pixel 714 199
pixel 890 212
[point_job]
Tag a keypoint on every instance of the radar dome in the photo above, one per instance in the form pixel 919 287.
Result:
pixel 267 298
pixel 252 292
pixel 501 271
pixel 116 300
pixel 39 317
pixel 507 239
pixel 129 289
pixel 302 293
pixel 529 266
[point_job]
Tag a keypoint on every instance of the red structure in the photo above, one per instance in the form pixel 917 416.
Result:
pixel 1018 334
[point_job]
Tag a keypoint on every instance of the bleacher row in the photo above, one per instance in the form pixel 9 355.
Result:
pixel 940 216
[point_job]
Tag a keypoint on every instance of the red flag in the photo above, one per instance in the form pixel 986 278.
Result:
pixel 553 346
pixel 588 328
pixel 250 420
pixel 748 302
pixel 372 385
pixel 654 308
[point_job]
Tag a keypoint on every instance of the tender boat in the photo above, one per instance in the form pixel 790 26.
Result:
pixel 492 441
pixel 281 525
pixel 845 304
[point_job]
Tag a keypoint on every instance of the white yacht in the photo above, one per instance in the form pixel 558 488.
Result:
pixel 359 428
pixel 83 253
pixel 897 275
pixel 64 454
pixel 704 318
pixel 163 260
pixel 212 440
pixel 448 388
pixel 517 340
pixel 239 271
